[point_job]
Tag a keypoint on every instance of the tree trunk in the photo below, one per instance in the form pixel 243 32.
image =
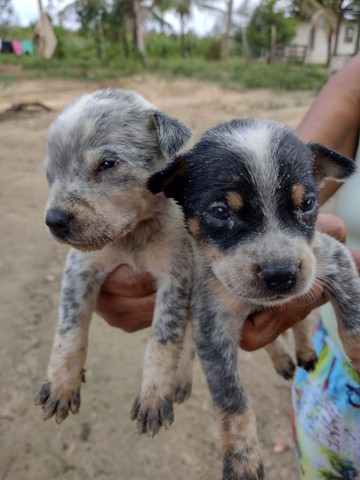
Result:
pixel 182 36
pixel 330 34
pixel 138 29
pixel 245 43
pixel 338 25
pixel 101 39
pixel 357 41
pixel 122 38
pixel 225 44
pixel 272 44
pixel 41 8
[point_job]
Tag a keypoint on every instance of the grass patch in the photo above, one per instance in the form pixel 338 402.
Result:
pixel 230 73
pixel 235 73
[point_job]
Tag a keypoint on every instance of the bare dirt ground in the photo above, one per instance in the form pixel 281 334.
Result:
pixel 99 443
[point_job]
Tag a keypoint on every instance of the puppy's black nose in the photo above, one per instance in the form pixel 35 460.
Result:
pixel 58 222
pixel 279 278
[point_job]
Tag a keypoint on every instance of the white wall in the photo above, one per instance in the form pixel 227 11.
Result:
pixel 318 54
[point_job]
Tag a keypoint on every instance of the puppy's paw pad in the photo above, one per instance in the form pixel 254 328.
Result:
pixel 182 392
pixel 151 416
pixel 308 362
pixel 57 403
pixel 286 369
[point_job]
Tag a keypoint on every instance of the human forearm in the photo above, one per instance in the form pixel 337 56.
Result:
pixel 334 117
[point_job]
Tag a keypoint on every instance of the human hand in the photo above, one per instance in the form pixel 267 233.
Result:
pixel 262 328
pixel 127 299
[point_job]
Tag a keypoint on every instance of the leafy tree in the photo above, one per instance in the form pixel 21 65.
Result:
pixel 266 16
pixel 6 13
pixel 90 14
pixel 117 24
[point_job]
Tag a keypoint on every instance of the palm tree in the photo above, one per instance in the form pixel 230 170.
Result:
pixel 90 14
pixel 183 9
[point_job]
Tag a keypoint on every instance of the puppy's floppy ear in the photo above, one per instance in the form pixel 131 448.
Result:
pixel 170 180
pixel 171 133
pixel 329 163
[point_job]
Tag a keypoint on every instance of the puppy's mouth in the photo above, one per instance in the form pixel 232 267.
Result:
pixel 85 232
pixel 85 244
pixel 273 300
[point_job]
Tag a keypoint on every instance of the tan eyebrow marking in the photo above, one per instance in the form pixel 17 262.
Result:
pixel 194 227
pixel 235 200
pixel 297 193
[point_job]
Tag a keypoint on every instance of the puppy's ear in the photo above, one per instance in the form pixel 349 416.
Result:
pixel 171 133
pixel 170 180
pixel 328 163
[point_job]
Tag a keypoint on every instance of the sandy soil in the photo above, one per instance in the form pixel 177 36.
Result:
pixel 100 442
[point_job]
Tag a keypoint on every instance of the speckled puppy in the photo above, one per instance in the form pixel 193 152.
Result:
pixel 101 150
pixel 249 191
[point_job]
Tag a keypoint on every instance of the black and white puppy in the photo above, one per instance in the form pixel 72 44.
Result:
pixel 249 192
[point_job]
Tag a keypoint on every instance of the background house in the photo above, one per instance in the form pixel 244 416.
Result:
pixel 314 36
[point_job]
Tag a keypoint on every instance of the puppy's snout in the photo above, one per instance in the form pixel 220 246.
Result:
pixel 59 222
pixel 279 278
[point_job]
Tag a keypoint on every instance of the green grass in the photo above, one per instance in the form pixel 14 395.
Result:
pixel 235 73
pixel 231 73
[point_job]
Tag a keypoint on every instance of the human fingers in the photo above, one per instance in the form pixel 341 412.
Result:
pixel 264 327
pixel 335 227
pixel 128 313
pixel 356 256
pixel 125 282
pixel 332 225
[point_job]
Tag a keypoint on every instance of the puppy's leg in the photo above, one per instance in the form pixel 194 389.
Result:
pixel 305 353
pixel 61 391
pixel 153 408
pixel 341 280
pixel 183 377
pixel 281 360
pixel 217 348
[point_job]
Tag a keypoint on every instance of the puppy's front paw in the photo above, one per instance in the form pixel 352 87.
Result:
pixel 152 413
pixel 285 367
pixel 58 401
pixel 307 361
pixel 351 344
pixel 183 391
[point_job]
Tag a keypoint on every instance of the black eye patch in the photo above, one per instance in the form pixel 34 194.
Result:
pixel 218 215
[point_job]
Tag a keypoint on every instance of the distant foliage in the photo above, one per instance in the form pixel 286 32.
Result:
pixel 213 51
pixel 269 13
pixel 6 15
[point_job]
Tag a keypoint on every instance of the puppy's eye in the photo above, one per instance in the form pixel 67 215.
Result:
pixel 218 215
pixel 107 164
pixel 308 204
